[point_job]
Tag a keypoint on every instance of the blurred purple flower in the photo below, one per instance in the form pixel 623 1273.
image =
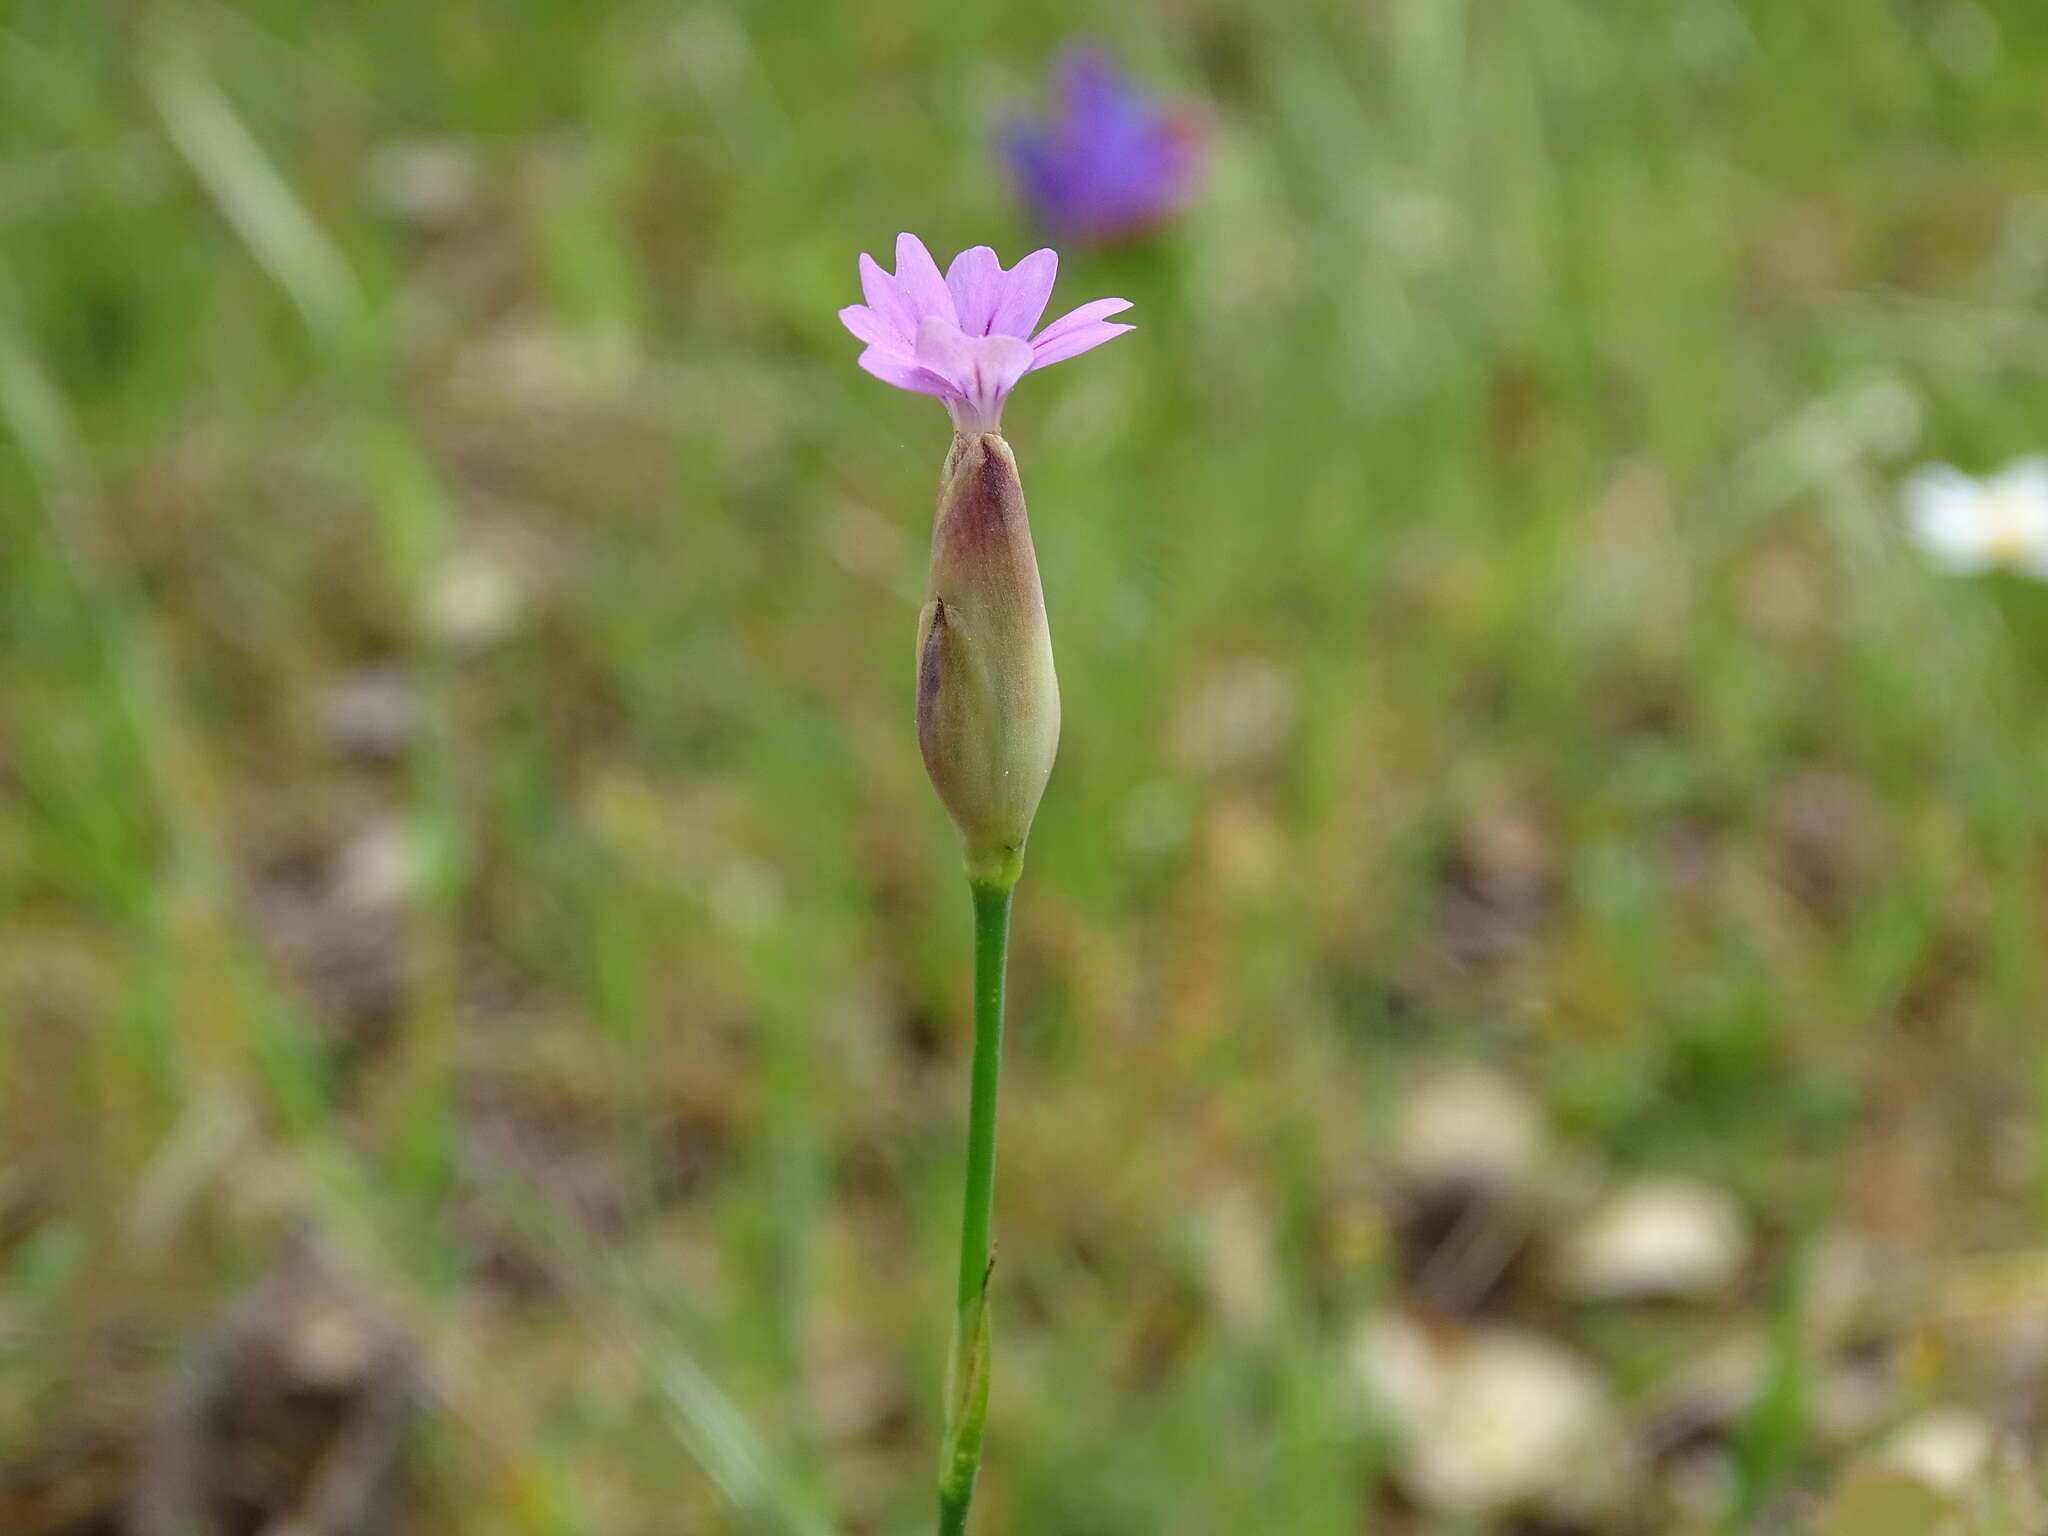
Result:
pixel 966 337
pixel 1107 163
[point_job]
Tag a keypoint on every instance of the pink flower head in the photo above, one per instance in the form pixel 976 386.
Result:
pixel 966 337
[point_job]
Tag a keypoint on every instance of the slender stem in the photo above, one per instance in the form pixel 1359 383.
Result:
pixel 991 950
pixel 953 1513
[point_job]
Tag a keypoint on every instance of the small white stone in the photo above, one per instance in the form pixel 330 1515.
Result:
pixel 378 869
pixel 478 600
pixel 1946 1448
pixel 1490 1418
pixel 1469 1127
pixel 1661 1237
pixel 333 1345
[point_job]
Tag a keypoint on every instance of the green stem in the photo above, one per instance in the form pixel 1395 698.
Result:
pixel 953 1512
pixel 991 950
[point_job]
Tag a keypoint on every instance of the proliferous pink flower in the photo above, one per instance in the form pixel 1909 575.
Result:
pixel 966 337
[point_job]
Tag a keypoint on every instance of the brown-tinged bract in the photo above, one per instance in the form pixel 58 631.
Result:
pixel 988 703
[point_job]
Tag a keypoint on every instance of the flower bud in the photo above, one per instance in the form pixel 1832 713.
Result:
pixel 988 704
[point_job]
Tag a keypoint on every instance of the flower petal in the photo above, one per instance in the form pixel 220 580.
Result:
pixel 1935 485
pixel 1107 162
pixel 870 327
pixel 887 302
pixel 2026 478
pixel 975 279
pixel 982 369
pixel 917 276
pixel 1025 289
pixel 893 367
pixel 1096 94
pixel 1945 513
pixel 1074 319
pixel 1035 165
pixel 1074 342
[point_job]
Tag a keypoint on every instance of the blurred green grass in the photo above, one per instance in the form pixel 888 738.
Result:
pixel 1483 629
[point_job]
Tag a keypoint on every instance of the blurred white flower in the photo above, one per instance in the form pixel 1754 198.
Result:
pixel 378 869
pixel 478 599
pixel 1967 525
pixel 1490 1418
pixel 1658 1237
pixel 1465 1127
pixel 1946 1448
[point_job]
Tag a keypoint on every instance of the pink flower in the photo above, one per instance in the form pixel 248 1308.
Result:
pixel 966 337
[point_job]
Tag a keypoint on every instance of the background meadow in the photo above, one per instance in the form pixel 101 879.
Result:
pixel 483 979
